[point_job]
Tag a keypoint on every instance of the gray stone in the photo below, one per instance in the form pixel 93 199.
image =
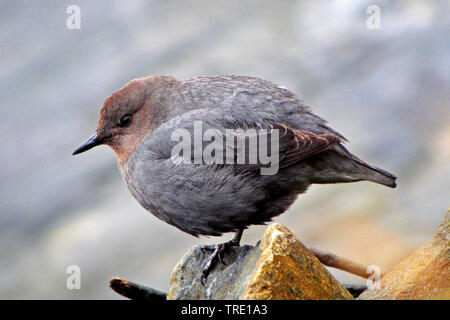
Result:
pixel 224 282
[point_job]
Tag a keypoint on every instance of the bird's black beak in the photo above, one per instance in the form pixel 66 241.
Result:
pixel 88 144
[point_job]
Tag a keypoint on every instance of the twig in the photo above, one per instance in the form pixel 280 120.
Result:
pixel 135 291
pixel 331 260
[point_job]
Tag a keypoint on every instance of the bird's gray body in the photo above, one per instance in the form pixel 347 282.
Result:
pixel 206 199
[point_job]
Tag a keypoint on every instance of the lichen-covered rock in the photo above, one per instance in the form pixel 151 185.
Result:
pixel 281 269
pixel 423 275
pixel 287 270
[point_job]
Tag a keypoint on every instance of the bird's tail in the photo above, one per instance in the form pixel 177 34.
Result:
pixel 375 174
pixel 339 165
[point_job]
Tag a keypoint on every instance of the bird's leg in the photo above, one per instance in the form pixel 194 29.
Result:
pixel 218 253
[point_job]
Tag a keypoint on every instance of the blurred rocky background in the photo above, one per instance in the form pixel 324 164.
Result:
pixel 386 90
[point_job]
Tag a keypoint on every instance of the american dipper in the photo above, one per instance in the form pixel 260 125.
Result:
pixel 142 123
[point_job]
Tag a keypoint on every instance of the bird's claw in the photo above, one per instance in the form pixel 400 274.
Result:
pixel 218 253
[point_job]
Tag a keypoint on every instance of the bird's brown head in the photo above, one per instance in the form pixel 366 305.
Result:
pixel 126 118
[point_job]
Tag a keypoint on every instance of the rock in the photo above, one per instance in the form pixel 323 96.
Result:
pixel 224 281
pixel 423 275
pixel 287 270
pixel 281 268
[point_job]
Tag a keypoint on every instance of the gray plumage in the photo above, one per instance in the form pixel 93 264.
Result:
pixel 204 199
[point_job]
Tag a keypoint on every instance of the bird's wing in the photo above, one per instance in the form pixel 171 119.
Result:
pixel 296 145
pixel 293 145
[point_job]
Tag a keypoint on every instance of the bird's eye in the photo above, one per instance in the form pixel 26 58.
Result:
pixel 125 121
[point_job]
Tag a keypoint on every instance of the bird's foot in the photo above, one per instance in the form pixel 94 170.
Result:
pixel 219 251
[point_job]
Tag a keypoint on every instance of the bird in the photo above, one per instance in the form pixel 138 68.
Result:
pixel 142 123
